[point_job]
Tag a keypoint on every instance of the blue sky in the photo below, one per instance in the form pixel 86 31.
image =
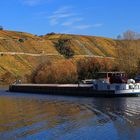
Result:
pixel 88 17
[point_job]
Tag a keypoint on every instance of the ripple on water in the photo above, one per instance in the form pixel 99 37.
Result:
pixel 54 117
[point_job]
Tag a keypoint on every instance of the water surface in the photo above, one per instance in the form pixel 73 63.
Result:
pixel 44 117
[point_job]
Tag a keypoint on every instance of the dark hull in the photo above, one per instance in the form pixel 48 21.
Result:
pixel 65 91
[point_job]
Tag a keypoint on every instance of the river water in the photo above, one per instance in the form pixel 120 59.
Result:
pixel 44 117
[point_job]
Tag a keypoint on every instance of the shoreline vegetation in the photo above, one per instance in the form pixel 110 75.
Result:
pixel 64 58
pixel 69 71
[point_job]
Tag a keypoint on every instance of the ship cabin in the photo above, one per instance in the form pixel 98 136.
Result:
pixel 112 77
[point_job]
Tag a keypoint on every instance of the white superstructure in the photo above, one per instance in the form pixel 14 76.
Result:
pixel 119 88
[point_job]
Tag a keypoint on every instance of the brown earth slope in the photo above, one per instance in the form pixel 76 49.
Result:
pixel 21 52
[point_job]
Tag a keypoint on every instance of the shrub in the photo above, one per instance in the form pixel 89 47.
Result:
pixel 66 71
pixel 8 78
pixel 52 33
pixel 88 68
pixel 22 39
pixel 63 48
pixel 63 71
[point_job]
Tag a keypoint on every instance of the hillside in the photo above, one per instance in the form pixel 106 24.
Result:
pixel 87 45
pixel 21 52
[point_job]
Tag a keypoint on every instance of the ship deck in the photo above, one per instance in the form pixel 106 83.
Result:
pixel 65 90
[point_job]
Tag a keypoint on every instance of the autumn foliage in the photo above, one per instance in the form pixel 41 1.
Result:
pixel 63 71
pixel 128 57
pixel 126 54
pixel 69 71
pixel 88 68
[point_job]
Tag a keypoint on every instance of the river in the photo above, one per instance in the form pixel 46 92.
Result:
pixel 45 117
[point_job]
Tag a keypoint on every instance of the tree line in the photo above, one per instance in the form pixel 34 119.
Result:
pixel 70 71
pixel 129 35
pixel 128 53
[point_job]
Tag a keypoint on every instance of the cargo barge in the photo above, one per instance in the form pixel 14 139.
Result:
pixel 105 86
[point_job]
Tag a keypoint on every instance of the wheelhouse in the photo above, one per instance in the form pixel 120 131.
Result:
pixel 112 77
pixel 106 75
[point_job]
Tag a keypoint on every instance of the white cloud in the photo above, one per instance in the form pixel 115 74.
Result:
pixel 56 18
pixel 87 26
pixel 71 21
pixel 53 22
pixel 66 17
pixel 61 14
pixel 63 9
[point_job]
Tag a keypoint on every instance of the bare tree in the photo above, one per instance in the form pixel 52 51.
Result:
pixel 127 56
pixel 130 35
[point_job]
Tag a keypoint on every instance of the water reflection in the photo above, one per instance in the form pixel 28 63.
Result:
pixel 42 117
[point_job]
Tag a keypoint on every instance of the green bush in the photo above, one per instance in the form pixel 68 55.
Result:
pixel 63 48
pixel 52 33
pixel 22 39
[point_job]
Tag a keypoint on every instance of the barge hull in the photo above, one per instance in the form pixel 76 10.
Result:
pixel 69 90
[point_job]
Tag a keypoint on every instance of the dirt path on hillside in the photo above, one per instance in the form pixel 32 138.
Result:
pixel 49 54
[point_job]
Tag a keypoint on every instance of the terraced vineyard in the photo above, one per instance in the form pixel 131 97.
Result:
pixel 21 52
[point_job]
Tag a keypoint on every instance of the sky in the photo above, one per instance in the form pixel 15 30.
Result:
pixel 107 18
